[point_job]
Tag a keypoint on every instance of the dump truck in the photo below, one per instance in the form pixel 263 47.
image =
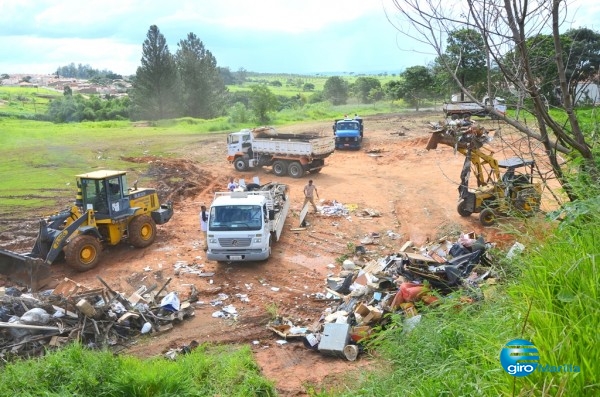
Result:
pixel 465 109
pixel 106 211
pixel 242 225
pixel 348 133
pixel 287 154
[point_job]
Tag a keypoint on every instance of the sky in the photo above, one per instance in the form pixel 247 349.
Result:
pixel 266 36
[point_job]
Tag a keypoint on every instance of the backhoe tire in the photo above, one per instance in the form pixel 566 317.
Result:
pixel 487 217
pixel 141 231
pixel 296 170
pixel 83 252
pixel 280 168
pixel 241 164
pixel 462 211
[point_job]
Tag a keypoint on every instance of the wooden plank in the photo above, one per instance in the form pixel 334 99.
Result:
pixel 303 214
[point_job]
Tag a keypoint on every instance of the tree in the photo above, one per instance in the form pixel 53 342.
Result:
pixel 202 87
pixel 365 88
pixel 67 91
pixel 308 87
pixel 505 27
pixel 583 60
pixel 393 89
pixel 155 85
pixel 416 85
pixel 465 54
pixel 336 90
pixel 262 101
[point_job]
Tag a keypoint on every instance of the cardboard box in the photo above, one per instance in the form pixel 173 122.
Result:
pixel 367 313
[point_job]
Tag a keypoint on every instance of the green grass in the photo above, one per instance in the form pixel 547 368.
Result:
pixel 561 281
pixel 25 101
pixel 74 370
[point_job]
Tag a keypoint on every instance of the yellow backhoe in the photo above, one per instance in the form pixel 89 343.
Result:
pixel 503 187
pixel 106 212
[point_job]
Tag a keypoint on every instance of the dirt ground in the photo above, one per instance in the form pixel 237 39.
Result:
pixel 414 190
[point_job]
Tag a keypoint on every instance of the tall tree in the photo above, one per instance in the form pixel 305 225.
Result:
pixel 202 87
pixel 336 90
pixel 155 86
pixel 465 54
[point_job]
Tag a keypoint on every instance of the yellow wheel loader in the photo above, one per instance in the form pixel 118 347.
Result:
pixel 504 187
pixel 106 212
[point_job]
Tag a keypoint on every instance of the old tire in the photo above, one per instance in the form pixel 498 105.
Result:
pixel 141 231
pixel 83 252
pixel 296 170
pixel 240 164
pixel 462 211
pixel 487 217
pixel 280 168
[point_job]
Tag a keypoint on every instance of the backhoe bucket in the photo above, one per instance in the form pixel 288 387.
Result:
pixel 24 270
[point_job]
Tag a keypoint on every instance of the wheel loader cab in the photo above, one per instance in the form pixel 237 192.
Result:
pixel 106 193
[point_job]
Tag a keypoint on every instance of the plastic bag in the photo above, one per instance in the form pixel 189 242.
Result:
pixel 35 316
pixel 170 302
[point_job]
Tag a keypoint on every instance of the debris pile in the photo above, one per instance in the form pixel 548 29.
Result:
pixel 364 291
pixel 458 133
pixel 97 318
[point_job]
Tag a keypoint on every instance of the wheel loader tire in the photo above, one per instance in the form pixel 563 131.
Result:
pixel 487 217
pixel 462 211
pixel 141 231
pixel 295 170
pixel 83 252
pixel 280 168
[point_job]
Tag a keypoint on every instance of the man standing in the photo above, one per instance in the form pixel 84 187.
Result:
pixel 203 224
pixel 231 186
pixel 309 192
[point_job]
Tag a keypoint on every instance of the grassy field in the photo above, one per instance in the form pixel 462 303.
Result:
pixel 41 158
pixel 25 100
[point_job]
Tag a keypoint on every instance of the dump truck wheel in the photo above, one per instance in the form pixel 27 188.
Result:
pixel 83 252
pixel 295 170
pixel 487 217
pixel 240 164
pixel 141 231
pixel 462 211
pixel 280 168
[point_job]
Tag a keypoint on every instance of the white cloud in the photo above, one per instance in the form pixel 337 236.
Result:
pixel 288 36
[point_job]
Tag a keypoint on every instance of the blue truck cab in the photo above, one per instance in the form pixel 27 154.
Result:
pixel 348 133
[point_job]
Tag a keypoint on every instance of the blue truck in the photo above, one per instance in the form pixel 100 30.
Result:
pixel 348 133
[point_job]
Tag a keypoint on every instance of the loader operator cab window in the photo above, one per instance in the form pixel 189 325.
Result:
pixel 107 196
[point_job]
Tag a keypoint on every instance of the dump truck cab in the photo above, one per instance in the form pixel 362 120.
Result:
pixel 348 133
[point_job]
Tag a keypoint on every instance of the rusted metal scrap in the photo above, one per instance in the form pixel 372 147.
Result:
pixel 97 318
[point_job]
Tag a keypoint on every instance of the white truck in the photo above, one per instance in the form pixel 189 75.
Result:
pixel 287 154
pixel 242 225
pixel 460 110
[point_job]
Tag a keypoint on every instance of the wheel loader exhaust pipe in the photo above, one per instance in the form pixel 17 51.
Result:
pixel 24 270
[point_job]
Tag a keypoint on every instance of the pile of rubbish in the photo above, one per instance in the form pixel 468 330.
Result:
pixel 97 318
pixel 363 292
pixel 460 134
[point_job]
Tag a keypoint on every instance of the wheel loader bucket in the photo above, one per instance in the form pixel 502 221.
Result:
pixel 24 270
